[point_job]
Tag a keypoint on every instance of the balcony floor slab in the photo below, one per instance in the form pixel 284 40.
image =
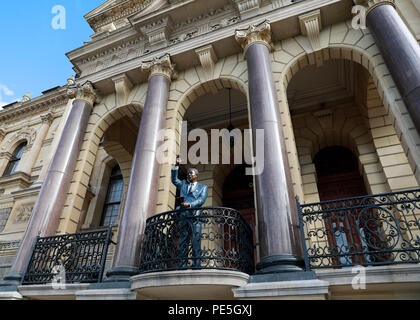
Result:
pixel 188 284
pixel 373 282
pixel 48 292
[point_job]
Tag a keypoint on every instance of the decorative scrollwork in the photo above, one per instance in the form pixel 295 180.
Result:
pixel 371 230
pixel 205 238
pixel 82 255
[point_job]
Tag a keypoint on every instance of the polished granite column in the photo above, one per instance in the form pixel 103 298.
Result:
pixel 400 51
pixel 144 181
pixel 28 161
pixel 279 237
pixel 48 207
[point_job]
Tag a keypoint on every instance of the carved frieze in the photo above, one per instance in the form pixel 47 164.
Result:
pixel 247 8
pixel 117 13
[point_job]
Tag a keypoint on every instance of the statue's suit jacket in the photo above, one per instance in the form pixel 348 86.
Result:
pixel 197 195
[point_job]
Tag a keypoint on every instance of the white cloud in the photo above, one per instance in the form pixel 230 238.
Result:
pixel 4 90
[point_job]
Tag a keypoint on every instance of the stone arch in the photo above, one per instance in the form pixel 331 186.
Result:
pixel 342 42
pixel 230 72
pixel 342 126
pixel 11 143
pixel 105 113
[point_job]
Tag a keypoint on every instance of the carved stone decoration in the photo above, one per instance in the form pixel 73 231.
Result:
pixel 208 59
pixel 247 8
pixel 160 66
pixel 26 97
pixel 158 32
pixel 84 92
pixel 47 118
pixel 23 214
pixel 311 26
pixel 26 133
pixel 325 118
pixel 2 134
pixel 123 87
pixel 71 81
pixel 260 33
pixel 117 13
pixel 372 4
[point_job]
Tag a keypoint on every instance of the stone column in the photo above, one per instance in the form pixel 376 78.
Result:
pixel 141 198
pixel 280 245
pixel 399 49
pixel 46 214
pixel 28 161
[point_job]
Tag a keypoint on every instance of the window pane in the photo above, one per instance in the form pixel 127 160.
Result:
pixel 14 161
pixel 113 199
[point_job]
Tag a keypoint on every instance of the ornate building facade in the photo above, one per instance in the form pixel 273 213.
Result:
pixel 334 214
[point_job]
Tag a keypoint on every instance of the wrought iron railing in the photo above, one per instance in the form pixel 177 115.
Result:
pixel 80 258
pixel 205 238
pixel 372 230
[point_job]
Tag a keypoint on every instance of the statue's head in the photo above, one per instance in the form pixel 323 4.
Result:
pixel 192 175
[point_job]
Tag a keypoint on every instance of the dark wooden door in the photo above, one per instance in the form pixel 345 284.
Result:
pixel 238 194
pixel 339 178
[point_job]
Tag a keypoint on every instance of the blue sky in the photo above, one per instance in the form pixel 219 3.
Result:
pixel 32 52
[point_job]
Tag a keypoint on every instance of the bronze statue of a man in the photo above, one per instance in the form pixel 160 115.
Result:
pixel 195 195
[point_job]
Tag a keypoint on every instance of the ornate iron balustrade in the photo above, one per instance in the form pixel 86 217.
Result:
pixel 81 257
pixel 204 238
pixel 372 230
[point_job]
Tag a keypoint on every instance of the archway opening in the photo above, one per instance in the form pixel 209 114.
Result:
pixel 338 174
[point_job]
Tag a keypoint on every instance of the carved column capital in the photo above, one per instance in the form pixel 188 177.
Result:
pixel 161 66
pixel 260 33
pixel 372 4
pixel 47 118
pixel 84 92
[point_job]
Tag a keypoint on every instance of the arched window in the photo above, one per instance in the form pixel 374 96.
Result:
pixel 113 198
pixel 14 161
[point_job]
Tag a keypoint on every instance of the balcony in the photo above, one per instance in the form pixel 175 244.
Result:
pixel 195 254
pixel 72 258
pixel 375 230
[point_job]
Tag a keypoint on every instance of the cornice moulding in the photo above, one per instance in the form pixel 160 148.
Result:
pixel 35 105
pixel 211 36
